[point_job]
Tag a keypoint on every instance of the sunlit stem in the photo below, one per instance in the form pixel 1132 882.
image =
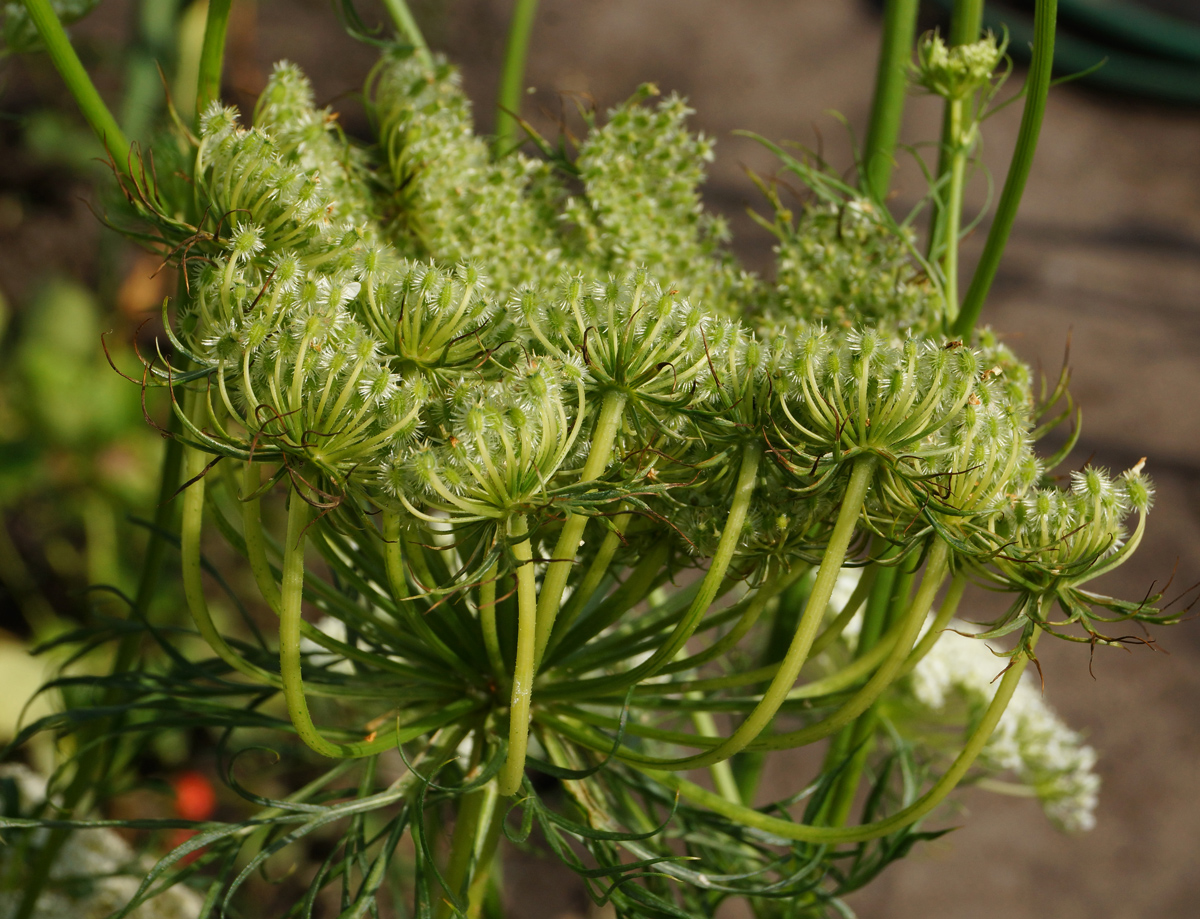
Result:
pixel 554 581
pixel 522 686
pixel 789 829
pixel 291 599
pixel 954 204
pixel 914 619
pixel 591 580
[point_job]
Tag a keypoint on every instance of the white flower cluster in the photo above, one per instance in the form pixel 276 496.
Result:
pixel 88 880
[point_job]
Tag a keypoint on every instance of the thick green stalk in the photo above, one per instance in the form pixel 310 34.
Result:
pixel 256 544
pixel 403 18
pixel 192 570
pixel 554 581
pixel 887 107
pixel 212 55
pixel 965 23
pixel 818 601
pixel 523 671
pixel 1037 89
pixel 856 740
pixel 512 77
pixel 789 829
pixel 67 63
pixel 291 599
pixel 487 624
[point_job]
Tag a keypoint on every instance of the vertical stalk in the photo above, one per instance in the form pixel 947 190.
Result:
pixel 512 76
pixel 403 18
pixel 256 544
pixel 191 529
pixel 1037 89
pixel 487 623
pixel 554 581
pixel 212 55
pixel 959 148
pixel 67 63
pixel 887 107
pixel 965 23
pixel 523 671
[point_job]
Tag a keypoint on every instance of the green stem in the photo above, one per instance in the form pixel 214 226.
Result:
pixel 714 579
pixel 523 671
pixel 485 852
pixel 256 543
pixel 862 590
pixel 469 821
pixel 914 619
pixel 487 624
pixel 403 18
pixel 554 581
pixel 887 107
pixel 512 76
pixel 291 599
pixel 818 601
pixel 1037 89
pixel 954 202
pixel 789 829
pixel 67 63
pixel 212 55
pixel 965 22
pixel 192 570
pixel 590 582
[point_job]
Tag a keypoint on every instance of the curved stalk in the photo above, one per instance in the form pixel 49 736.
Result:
pixel 256 543
pixel 67 63
pixel 522 684
pixel 487 623
pixel 713 580
pixel 914 619
pixel 512 77
pixel 554 581
pixel 887 107
pixel 789 829
pixel 590 582
pixel 291 598
pixel 192 572
pixel 818 601
pixel 1037 89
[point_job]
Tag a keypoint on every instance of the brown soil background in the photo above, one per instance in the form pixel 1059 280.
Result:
pixel 1106 250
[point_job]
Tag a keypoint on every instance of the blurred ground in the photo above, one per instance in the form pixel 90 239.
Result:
pixel 1106 251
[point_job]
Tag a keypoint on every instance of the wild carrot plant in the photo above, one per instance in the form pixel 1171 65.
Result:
pixel 536 481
